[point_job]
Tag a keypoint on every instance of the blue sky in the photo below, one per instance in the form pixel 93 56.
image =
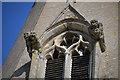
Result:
pixel 14 15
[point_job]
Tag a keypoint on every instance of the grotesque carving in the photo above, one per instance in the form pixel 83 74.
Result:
pixel 68 43
pixel 96 31
pixel 32 42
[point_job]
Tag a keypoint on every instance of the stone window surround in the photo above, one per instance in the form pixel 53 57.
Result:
pixel 52 33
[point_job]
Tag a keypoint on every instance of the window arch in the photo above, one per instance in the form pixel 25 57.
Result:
pixel 59 38
pixel 67 49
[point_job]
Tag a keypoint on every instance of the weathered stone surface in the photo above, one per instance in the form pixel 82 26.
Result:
pixel 17 51
pixel 105 12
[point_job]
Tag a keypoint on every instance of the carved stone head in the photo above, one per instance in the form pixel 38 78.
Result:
pixel 96 29
pixel 31 36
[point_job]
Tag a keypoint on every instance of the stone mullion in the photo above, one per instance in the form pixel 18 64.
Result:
pixel 68 65
pixel 33 67
pixel 41 67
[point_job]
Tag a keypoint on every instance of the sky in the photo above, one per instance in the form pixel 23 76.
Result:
pixel 14 15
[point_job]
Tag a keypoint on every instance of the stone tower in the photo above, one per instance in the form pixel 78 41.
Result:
pixel 67 41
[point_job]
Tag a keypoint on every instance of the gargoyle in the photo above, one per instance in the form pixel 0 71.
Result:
pixel 96 31
pixel 32 42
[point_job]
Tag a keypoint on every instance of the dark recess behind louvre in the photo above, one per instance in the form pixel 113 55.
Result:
pixel 54 69
pixel 80 66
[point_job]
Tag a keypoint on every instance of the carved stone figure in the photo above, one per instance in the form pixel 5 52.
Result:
pixel 96 31
pixel 32 42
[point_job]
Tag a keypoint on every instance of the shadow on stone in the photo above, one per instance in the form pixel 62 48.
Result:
pixel 25 68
